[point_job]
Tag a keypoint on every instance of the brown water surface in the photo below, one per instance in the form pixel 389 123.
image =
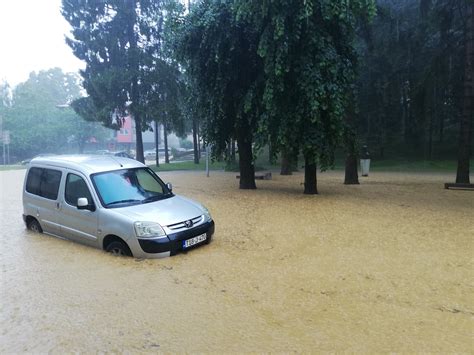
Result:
pixel 386 266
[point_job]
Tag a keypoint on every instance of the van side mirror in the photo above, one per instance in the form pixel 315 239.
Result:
pixel 83 204
pixel 169 186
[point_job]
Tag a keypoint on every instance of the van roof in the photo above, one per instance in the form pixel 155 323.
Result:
pixel 88 164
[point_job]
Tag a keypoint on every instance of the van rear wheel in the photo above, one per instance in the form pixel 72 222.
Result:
pixel 34 226
pixel 118 248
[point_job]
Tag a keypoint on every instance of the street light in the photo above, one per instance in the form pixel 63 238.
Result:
pixel 5 137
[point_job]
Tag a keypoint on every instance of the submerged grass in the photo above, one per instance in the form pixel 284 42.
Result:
pixel 188 165
pixel 11 167
pixel 409 165
pixel 389 165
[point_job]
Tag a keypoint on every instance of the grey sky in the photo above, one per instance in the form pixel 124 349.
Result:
pixel 32 39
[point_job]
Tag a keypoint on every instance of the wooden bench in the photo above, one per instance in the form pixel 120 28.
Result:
pixel 262 176
pixel 455 186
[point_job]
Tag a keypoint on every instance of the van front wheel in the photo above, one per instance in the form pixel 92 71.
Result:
pixel 34 226
pixel 118 248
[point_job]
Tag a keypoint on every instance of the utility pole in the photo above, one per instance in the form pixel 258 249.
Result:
pixel 157 143
pixel 207 160
pixel 3 139
pixel 7 142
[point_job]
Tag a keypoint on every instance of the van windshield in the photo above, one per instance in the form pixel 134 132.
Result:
pixel 127 187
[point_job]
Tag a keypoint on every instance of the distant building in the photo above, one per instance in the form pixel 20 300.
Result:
pixel 126 133
pixel 125 137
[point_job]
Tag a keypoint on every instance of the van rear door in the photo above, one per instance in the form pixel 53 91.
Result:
pixel 41 198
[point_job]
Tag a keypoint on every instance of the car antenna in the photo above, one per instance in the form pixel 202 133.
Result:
pixel 119 163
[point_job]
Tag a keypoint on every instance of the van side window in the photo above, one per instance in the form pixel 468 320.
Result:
pixel 43 182
pixel 76 188
pixel 148 182
pixel 33 181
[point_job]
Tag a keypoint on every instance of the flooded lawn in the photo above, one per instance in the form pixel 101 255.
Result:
pixel 385 266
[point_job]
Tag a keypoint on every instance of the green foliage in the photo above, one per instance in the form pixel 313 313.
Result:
pixel 164 100
pixel 84 107
pixel 309 64
pixel 88 126
pixel 219 52
pixel 278 72
pixel 189 165
pixel 37 120
pixel 128 71
pixel 410 82
pixel 5 95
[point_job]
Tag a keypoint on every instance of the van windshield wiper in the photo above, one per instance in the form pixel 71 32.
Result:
pixel 122 201
pixel 153 198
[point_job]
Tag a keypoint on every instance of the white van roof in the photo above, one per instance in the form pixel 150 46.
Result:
pixel 88 164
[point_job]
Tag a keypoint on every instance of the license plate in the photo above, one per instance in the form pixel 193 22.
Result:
pixel 193 241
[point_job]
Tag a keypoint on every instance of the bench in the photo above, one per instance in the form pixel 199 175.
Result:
pixel 455 186
pixel 262 176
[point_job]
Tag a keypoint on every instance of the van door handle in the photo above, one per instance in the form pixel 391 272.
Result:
pixel 58 205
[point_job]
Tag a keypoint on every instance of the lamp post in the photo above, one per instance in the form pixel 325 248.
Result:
pixel 1 136
pixel 5 136
pixel 207 160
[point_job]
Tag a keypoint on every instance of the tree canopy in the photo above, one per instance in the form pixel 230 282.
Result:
pixel 280 73
pixel 37 119
pixel 226 71
pixel 121 43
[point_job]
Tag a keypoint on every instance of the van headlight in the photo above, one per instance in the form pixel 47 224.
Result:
pixel 207 214
pixel 149 230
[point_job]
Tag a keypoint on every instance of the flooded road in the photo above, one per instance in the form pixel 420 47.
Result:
pixel 383 266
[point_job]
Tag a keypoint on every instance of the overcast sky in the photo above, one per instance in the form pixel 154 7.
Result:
pixel 32 39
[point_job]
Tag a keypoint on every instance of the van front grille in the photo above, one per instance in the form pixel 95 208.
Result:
pixel 180 225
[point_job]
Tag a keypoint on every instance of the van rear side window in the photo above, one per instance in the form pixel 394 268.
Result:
pixel 43 182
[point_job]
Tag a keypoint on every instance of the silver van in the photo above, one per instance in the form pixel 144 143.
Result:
pixel 113 203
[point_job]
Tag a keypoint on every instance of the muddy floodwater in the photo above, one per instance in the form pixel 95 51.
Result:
pixel 386 266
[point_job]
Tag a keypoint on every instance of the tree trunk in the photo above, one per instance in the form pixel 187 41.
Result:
pixel 350 139
pixel 310 180
pixel 135 89
pixel 165 140
pixel 430 136
pixel 351 177
pixel 285 163
pixel 157 143
pixel 228 152
pixel 465 133
pixel 403 113
pixel 195 142
pixel 271 154
pixel 406 116
pixel 246 167
pixel 82 145
pixel 139 142
pixel 198 141
pixel 232 150
pixel 441 127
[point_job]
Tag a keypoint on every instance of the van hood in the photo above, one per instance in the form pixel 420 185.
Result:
pixel 168 211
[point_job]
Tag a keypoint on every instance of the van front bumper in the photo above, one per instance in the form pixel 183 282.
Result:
pixel 174 243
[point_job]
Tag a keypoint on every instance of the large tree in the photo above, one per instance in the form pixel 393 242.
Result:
pixel 219 51
pixel 120 41
pixel 309 58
